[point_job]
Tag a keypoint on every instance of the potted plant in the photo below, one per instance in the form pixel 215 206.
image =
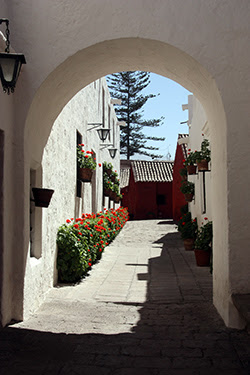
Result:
pixel 203 157
pixel 188 229
pixel 189 162
pixel 42 196
pixel 107 185
pixel 85 164
pixel 183 173
pixel 108 168
pixel 114 176
pixel 187 188
pixel 203 244
pixel 118 198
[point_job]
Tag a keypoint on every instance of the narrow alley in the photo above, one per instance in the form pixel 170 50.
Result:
pixel 145 308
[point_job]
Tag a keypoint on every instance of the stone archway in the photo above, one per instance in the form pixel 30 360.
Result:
pixel 112 56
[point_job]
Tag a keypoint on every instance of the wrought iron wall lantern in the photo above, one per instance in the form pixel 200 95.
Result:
pixel 102 132
pixel 112 152
pixel 10 63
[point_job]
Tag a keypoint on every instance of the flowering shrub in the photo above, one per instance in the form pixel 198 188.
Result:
pixel 191 158
pixel 81 241
pixel 85 158
pixel 205 153
pixel 205 236
pixel 187 187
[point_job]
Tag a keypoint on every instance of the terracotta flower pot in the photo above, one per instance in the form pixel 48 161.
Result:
pixel 42 197
pixel 188 197
pixel 202 258
pixel 117 199
pixel 202 165
pixel 189 243
pixel 191 169
pixel 85 174
pixel 112 195
pixel 106 192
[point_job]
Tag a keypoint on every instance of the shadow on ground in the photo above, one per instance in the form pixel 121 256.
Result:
pixel 170 338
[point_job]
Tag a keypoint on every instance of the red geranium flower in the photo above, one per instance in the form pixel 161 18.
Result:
pixel 86 156
pixel 76 226
pixel 68 221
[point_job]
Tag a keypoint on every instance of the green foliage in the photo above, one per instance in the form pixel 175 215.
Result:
pixel 81 242
pixel 107 166
pixel 189 229
pixel 187 187
pixel 186 217
pixel 205 153
pixel 184 209
pixel 85 158
pixel 183 172
pixel 190 160
pixel 128 87
pixel 205 237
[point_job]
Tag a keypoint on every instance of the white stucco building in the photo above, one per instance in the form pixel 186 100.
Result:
pixel 201 206
pixel 71 197
pixel 202 45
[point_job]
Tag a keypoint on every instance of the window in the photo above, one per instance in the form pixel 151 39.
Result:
pixel 203 193
pixel 78 182
pixel 160 199
pixel 109 121
pixel 103 107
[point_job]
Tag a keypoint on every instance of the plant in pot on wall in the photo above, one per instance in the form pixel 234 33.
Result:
pixel 190 161
pixel 108 168
pixel 183 173
pixel 203 157
pixel 187 188
pixel 107 185
pixel 42 196
pixel 115 191
pixel 203 244
pixel 188 229
pixel 85 164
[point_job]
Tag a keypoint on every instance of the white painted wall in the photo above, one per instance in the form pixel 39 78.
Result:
pixel 199 125
pixel 203 45
pixel 58 172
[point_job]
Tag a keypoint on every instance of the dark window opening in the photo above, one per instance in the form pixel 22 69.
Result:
pixel 78 182
pixel 204 208
pixel 161 199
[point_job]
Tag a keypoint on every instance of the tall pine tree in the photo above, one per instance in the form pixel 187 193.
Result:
pixel 127 86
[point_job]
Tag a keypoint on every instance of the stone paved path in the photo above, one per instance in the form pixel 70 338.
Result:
pixel 144 309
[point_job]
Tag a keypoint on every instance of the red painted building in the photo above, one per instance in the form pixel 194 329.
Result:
pixel 147 188
pixel 178 197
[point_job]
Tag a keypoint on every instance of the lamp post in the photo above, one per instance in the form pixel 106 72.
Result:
pixel 10 63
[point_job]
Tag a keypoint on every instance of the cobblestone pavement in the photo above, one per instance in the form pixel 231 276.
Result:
pixel 144 309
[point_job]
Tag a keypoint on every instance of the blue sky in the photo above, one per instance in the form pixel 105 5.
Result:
pixel 169 105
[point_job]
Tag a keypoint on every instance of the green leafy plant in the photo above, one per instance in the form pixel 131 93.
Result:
pixel 205 153
pixel 107 183
pixel 205 237
pixel 190 160
pixel 186 217
pixel 85 158
pixel 189 229
pixel 187 187
pixel 183 172
pixel 184 209
pixel 82 241
pixel 107 166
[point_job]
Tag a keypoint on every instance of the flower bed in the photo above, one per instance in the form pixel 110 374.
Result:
pixel 82 241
